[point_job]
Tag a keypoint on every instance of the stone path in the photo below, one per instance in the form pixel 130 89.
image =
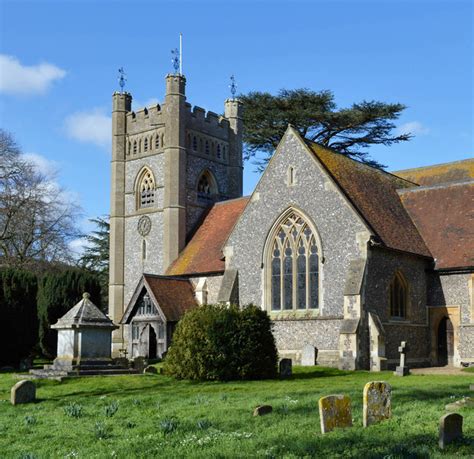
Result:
pixel 441 371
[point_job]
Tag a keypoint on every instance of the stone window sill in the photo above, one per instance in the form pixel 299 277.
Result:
pixel 289 315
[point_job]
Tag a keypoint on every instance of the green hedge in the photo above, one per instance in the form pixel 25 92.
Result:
pixel 57 293
pixel 214 342
pixel 18 317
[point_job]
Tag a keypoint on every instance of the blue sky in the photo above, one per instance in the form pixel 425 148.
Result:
pixel 59 62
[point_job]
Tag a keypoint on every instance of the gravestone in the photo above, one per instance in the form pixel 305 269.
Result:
pixel 261 410
pixel 335 411
pixel 286 368
pixel 458 404
pixel 471 387
pixel 139 364
pixel 377 402
pixel 150 369
pixel 309 355
pixel 402 369
pixel 450 429
pixel 23 392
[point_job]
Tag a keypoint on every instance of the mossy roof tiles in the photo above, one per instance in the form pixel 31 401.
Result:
pixel 444 215
pixel 457 171
pixel 373 193
pixel 173 296
pixel 203 253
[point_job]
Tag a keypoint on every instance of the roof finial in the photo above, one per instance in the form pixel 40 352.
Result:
pixel 233 86
pixel 86 296
pixel 122 78
pixel 177 59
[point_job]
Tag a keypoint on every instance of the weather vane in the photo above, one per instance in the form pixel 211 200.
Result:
pixel 233 86
pixel 122 78
pixel 177 59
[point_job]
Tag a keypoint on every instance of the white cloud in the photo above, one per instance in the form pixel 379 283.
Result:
pixel 44 165
pixel 136 104
pixel 413 127
pixel 16 78
pixel 77 247
pixel 93 126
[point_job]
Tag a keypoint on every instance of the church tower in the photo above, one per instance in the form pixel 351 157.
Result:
pixel 170 162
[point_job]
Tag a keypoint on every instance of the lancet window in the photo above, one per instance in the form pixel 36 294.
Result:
pixel 294 266
pixel 398 297
pixel 146 189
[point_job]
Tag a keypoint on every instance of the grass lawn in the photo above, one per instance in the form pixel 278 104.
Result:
pixel 156 416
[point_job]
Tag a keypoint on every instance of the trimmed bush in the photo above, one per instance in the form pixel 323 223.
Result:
pixel 215 342
pixel 19 320
pixel 57 293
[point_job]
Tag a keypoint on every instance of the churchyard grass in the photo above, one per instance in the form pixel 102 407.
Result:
pixel 156 416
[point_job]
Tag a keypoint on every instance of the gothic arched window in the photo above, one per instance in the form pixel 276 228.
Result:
pixel 293 262
pixel 207 147
pixel 206 186
pixel 145 144
pixel 398 296
pixel 146 189
pixel 195 143
pixel 157 141
pixel 135 147
pixel 218 150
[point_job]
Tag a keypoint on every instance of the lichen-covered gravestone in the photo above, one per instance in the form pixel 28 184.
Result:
pixel 450 429
pixel 377 402
pixel 23 392
pixel 286 368
pixel 308 355
pixel 335 411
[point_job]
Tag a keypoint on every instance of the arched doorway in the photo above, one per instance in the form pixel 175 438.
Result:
pixel 152 343
pixel 445 342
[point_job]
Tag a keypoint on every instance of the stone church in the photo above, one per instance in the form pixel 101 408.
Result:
pixel 347 258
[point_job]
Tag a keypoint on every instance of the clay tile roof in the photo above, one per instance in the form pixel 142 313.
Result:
pixel 373 193
pixel 173 296
pixel 444 215
pixel 457 171
pixel 203 253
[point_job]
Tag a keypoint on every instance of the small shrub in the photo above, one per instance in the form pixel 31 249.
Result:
pixel 30 420
pixel 215 342
pixel 73 410
pixel 111 409
pixel 168 425
pixel 101 431
pixel 204 424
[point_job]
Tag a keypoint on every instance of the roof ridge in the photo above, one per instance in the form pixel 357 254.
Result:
pixel 435 165
pixel 375 169
pixel 436 187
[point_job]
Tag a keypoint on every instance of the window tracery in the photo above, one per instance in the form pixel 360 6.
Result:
pixel 146 189
pixel 294 266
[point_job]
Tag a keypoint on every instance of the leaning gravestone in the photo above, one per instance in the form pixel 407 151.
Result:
pixel 335 411
pixel 23 392
pixel 377 402
pixel 286 368
pixel 308 355
pixel 450 429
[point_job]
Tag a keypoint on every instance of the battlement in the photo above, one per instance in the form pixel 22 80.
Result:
pixel 144 119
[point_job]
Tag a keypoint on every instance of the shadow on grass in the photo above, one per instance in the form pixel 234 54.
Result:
pixel 352 444
pixel 316 372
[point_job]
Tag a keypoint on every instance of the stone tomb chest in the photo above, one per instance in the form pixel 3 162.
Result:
pixel 84 336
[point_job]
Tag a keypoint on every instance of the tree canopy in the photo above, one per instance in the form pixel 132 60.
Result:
pixel 350 131
pixel 37 220
pixel 95 257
